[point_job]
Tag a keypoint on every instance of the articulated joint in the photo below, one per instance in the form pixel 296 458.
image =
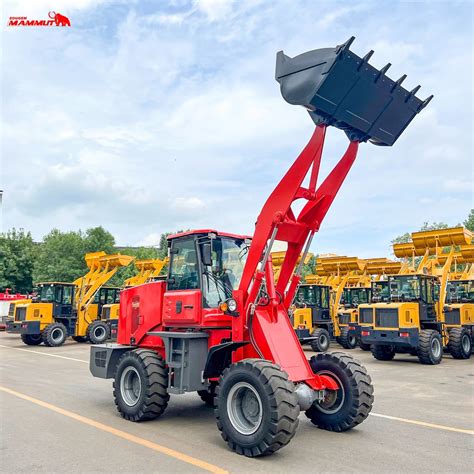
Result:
pixel 307 396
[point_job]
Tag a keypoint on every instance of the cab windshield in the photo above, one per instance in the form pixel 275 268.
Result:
pixel 404 288
pixel 309 295
pixel 219 279
pixel 55 294
pixel 380 291
pixel 355 296
pixel 460 292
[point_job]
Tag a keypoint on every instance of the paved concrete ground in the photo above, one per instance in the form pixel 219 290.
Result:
pixel 56 417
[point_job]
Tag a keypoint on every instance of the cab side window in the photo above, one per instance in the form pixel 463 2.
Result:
pixel 184 268
pixel 67 295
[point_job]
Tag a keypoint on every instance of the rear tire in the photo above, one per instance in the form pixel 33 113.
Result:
pixel 256 407
pixel 347 339
pixel 98 332
pixel 460 344
pixel 351 404
pixel 430 347
pixel 322 341
pixel 54 335
pixel 382 352
pixel 32 339
pixel 141 385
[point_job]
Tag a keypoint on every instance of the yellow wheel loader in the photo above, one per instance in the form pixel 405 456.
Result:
pixel 412 320
pixel 68 309
pixel 148 270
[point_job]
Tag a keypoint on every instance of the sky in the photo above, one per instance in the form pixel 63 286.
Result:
pixel 152 116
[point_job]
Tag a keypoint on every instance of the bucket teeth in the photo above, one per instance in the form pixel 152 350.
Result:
pixel 397 83
pixel 345 46
pixel 413 92
pixel 366 58
pixel 426 102
pixel 383 71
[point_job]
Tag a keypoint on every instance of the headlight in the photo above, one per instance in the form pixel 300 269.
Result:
pixel 232 305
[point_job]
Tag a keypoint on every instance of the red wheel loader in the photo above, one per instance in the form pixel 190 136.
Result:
pixel 219 324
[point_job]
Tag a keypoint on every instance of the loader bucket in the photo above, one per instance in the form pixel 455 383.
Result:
pixel 92 258
pixel 115 260
pixel 342 264
pixel 407 250
pixel 467 252
pixel 385 267
pixel 441 238
pixel 341 89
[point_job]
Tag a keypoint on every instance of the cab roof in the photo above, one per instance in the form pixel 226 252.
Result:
pixel 54 283
pixel 208 231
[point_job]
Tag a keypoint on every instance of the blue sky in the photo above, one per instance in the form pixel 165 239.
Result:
pixel 147 117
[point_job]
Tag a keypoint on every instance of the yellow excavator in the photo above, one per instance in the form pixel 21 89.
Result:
pixel 148 270
pixel 68 309
pixel 412 319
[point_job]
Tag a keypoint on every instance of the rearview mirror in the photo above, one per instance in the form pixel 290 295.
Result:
pixel 206 254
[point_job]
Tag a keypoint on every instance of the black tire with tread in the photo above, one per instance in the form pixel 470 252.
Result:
pixel 154 378
pixel 345 338
pixel 319 344
pixel 279 404
pixel 47 334
pixel 381 352
pixel 425 354
pixel 32 339
pixel 455 346
pixel 91 329
pixel 358 392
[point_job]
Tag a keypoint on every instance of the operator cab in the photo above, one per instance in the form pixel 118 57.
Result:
pixel 315 297
pixel 460 291
pixel 207 260
pixel 353 297
pixel 61 295
pixel 422 289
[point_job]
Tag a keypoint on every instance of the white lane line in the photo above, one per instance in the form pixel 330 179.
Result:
pixel 45 354
pixel 423 423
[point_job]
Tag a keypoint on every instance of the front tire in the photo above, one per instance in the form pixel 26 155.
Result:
pixel 347 339
pixel 98 332
pixel 430 347
pixel 382 352
pixel 351 404
pixel 322 341
pixel 54 335
pixel 460 344
pixel 141 385
pixel 32 339
pixel 256 407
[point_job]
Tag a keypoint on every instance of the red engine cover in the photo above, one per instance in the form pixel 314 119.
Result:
pixel 141 308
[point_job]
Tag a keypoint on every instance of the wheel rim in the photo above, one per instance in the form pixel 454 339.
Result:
pixel 352 341
pixel 244 407
pixel 333 399
pixel 99 333
pixel 57 335
pixel 435 347
pixel 466 344
pixel 130 386
pixel 323 341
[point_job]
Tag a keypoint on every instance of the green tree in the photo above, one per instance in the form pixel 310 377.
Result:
pixel 98 239
pixel 469 222
pixel 60 257
pixel 17 257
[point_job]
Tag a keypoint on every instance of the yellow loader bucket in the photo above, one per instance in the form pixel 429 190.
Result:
pixel 92 258
pixel 433 239
pixel 115 260
pixel 382 266
pixel 407 250
pixel 467 252
pixel 342 264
